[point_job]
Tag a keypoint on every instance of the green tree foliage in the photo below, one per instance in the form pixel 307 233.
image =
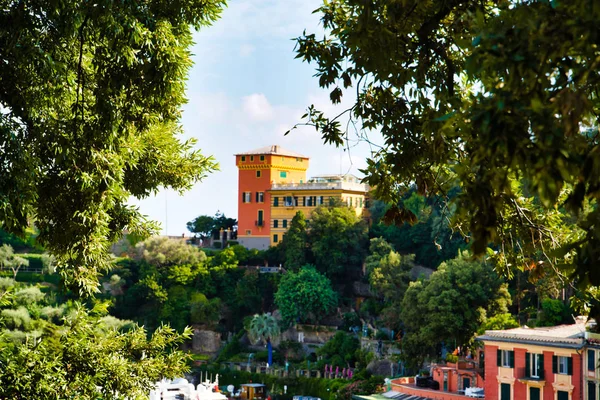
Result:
pixel 90 104
pixel 463 99
pixel 264 327
pixel 449 307
pixel 81 363
pixel 338 241
pixel 553 313
pixel 430 238
pixel 205 226
pixel 161 250
pixel 339 351
pixel 378 249
pixel 499 322
pixel 295 243
pixel 305 296
pixel 203 311
pixel 389 279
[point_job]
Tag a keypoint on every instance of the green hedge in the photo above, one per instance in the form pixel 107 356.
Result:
pixel 32 277
pixel 295 385
pixel 35 260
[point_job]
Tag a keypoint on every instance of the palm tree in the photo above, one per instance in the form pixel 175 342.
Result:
pixel 264 327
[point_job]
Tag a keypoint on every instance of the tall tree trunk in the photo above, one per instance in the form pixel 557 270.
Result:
pixel 270 350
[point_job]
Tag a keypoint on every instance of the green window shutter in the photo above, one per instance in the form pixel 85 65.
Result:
pixel 285 223
pixel 528 365
pixel 256 197
pixel 275 201
pixel 570 365
pixel 554 365
pixel 275 223
pixel 591 355
pixel 512 359
pixel 499 354
pixel 541 373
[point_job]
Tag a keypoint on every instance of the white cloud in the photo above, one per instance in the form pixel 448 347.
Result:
pixel 246 50
pixel 257 107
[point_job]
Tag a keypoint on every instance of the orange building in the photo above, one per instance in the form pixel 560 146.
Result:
pixel 272 188
pixel 258 170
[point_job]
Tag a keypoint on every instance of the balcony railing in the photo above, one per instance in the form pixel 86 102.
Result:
pixel 360 187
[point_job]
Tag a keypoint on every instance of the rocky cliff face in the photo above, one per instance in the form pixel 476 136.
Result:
pixel 206 342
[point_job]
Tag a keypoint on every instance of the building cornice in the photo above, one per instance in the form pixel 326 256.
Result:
pixel 270 166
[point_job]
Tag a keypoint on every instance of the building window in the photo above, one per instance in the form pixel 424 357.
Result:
pixel 591 388
pixel 243 158
pixel 258 174
pixel 506 358
pixel 361 202
pixel 285 223
pixel 591 355
pixel 296 201
pixel 275 223
pixel 288 201
pixel 262 158
pixel 320 200
pixel 283 174
pixel 260 220
pixel 562 395
pixel 275 238
pixel 260 197
pixel 246 196
pixel 275 201
pixel 251 158
pixel 534 365
pixel 562 365
pixel 248 232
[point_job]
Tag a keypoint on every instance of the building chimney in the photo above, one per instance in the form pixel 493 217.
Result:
pixel 275 149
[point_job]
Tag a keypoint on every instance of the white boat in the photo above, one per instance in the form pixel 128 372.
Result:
pixel 306 398
pixel 181 389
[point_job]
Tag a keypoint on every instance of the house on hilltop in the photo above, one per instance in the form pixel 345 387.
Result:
pixel 273 187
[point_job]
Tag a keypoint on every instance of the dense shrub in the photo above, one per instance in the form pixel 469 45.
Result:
pixel 6 283
pixel 53 314
pixel 29 295
pixel 217 245
pixel 112 323
pixel 16 319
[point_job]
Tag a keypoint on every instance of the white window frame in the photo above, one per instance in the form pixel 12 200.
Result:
pixel 261 197
pixel 505 359
pixel 562 366
pixel 247 197
pixel 534 365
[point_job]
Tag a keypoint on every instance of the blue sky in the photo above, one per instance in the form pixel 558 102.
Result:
pixel 245 90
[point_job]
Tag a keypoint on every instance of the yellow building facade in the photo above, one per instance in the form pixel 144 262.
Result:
pixel 272 187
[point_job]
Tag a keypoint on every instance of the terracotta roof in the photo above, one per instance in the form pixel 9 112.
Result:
pixel 274 149
pixel 571 335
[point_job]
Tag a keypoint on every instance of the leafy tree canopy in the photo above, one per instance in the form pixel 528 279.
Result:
pixel 304 296
pixel 90 102
pixel 205 225
pixel 450 306
pixel 497 98
pixel 338 241
pixel 160 250
pixel 294 243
